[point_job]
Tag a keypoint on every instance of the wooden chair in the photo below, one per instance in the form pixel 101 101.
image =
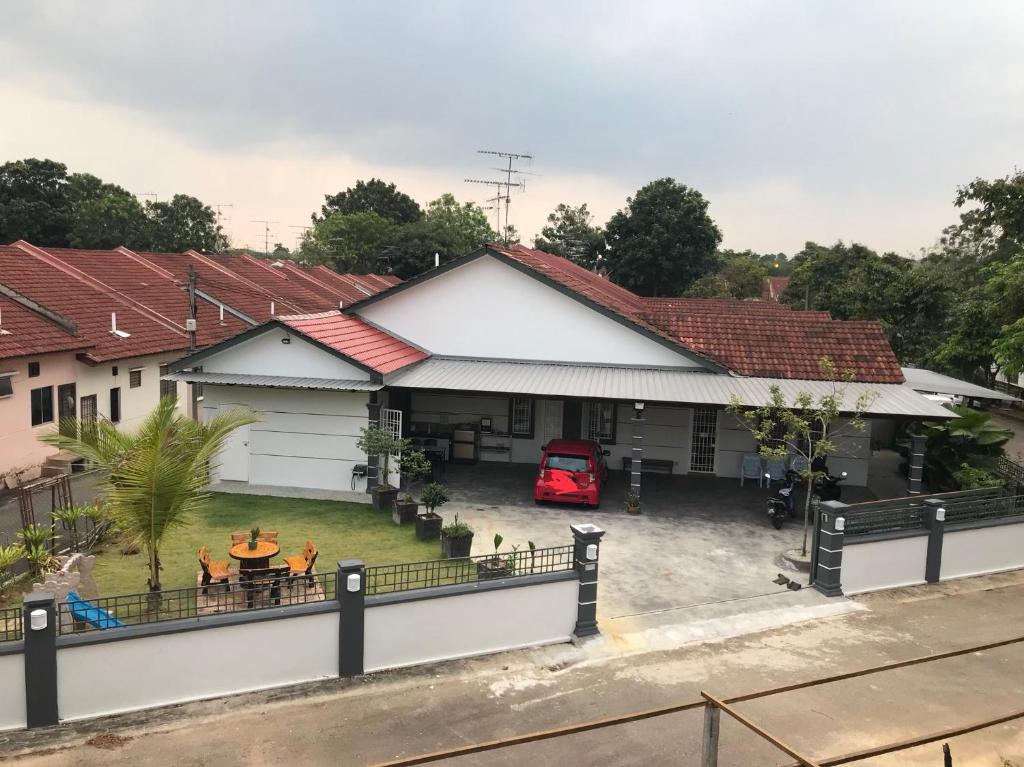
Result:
pixel 268 535
pixel 302 565
pixel 213 572
pixel 240 537
pixel 263 581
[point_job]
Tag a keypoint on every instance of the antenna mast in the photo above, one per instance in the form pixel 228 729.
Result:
pixel 266 234
pixel 509 170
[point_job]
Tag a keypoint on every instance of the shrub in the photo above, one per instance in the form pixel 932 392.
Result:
pixel 457 529
pixel 434 495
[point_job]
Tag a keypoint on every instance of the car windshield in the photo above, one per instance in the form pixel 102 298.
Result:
pixel 576 463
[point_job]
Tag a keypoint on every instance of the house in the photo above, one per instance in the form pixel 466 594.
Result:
pixel 493 354
pixel 125 316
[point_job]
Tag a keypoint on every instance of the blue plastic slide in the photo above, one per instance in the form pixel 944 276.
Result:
pixel 89 613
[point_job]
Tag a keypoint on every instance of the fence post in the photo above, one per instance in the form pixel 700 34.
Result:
pixel 915 471
pixel 637 449
pixel 372 461
pixel 40 659
pixel 586 544
pixel 829 556
pixel 351 595
pixel 709 743
pixel 935 521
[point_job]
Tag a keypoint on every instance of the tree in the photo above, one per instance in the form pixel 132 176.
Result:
pixel 34 202
pixel 663 241
pixel 972 440
pixel 409 250
pixel 807 427
pixel 571 233
pixel 373 196
pixel 350 242
pixel 105 215
pixel 462 227
pixel 997 221
pixel 183 223
pixel 280 252
pixel 153 478
pixel 375 441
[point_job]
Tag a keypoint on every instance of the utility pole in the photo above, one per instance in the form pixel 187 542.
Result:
pixel 191 324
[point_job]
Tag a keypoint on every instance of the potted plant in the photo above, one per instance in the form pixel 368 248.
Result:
pixel 428 524
pixel 254 538
pixel 412 465
pixel 496 566
pixel 456 540
pixel 375 441
pixel 632 502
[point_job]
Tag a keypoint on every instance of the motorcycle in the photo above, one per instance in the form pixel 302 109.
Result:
pixel 784 503
pixel 826 487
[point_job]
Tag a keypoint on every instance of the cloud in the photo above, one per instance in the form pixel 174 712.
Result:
pixel 795 118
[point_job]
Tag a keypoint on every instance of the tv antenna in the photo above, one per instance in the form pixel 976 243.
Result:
pixel 299 234
pixel 266 234
pixel 508 184
pixel 220 217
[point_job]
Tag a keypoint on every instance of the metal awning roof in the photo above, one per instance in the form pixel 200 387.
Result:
pixel 930 382
pixel 279 382
pixel 646 384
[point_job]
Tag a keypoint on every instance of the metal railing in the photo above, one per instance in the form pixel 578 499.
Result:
pixel 408 576
pixel 901 514
pixel 11 624
pixel 259 593
pixel 1012 472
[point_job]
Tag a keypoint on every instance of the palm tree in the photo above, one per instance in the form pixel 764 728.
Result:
pixel 155 476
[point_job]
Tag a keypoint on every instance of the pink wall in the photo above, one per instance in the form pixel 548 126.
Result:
pixel 19 446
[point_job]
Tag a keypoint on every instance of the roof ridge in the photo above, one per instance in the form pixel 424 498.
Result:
pixel 148 264
pixel 98 285
pixel 204 259
pixel 37 308
pixel 312 315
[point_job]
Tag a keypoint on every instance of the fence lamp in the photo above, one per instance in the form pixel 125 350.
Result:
pixel 940 514
pixel 352 583
pixel 37 620
pixel 639 408
pixel 591 551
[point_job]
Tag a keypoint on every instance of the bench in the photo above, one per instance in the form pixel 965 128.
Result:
pixel 649 465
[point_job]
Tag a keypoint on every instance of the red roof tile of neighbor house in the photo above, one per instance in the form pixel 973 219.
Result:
pixel 753 338
pixel 25 332
pixel 88 303
pixel 357 340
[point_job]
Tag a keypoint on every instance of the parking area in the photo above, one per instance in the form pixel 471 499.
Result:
pixel 699 541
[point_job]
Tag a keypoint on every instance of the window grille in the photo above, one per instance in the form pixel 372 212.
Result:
pixel 522 416
pixel 115 404
pixel 134 379
pixel 599 421
pixel 170 388
pixel 702 446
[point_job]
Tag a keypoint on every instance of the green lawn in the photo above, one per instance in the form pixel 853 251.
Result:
pixel 340 530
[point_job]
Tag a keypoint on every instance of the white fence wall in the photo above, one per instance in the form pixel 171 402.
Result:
pixel 135 673
pixel 982 550
pixel 884 564
pixel 477 623
pixel 12 691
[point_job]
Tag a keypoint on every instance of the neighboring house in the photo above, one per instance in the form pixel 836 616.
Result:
pixel 37 375
pixel 539 348
pixel 773 288
pixel 130 312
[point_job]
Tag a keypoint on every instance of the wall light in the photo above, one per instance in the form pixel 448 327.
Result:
pixel 840 524
pixel 638 407
pixel 591 551
pixel 352 583
pixel 940 514
pixel 286 340
pixel 37 620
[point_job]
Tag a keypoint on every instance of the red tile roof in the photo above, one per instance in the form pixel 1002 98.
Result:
pixel 753 338
pixel 357 340
pixel 24 332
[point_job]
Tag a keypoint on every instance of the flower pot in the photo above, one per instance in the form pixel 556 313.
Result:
pixel 404 512
pixel 632 508
pixel 252 545
pixel 456 548
pixel 428 526
pixel 384 498
pixel 491 568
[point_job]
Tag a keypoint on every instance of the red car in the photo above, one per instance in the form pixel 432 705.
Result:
pixel 571 471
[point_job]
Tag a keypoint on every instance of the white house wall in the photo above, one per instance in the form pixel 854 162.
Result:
pixel 12 691
pixel 135 403
pixel 266 355
pixel 486 308
pixel 303 439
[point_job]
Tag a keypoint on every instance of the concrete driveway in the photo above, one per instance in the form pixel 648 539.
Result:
pixel 702 548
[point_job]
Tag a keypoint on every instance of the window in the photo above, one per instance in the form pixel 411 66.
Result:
pixel 33 369
pixel 167 388
pixel 42 405
pixel 115 404
pixel 599 422
pixel 578 464
pixel 520 417
pixel 6 384
pixel 113 370
pixel 135 378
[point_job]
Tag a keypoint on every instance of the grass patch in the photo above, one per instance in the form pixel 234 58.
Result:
pixel 339 529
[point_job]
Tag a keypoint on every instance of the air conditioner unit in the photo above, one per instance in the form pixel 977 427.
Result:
pixel 190 325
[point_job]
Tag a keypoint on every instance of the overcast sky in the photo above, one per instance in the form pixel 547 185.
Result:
pixel 797 120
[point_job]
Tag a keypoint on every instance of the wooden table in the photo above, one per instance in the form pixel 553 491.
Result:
pixel 254 559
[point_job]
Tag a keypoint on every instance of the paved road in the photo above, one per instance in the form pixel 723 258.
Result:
pixel 402 713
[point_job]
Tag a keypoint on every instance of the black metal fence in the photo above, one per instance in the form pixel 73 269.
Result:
pixel 11 624
pixel 901 514
pixel 262 592
pixel 1012 472
pixel 408 576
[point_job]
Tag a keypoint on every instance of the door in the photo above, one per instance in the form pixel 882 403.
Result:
pixel 552 422
pixel 572 419
pixel 88 416
pixel 702 446
pixel 66 407
pixel 234 461
pixel 391 422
